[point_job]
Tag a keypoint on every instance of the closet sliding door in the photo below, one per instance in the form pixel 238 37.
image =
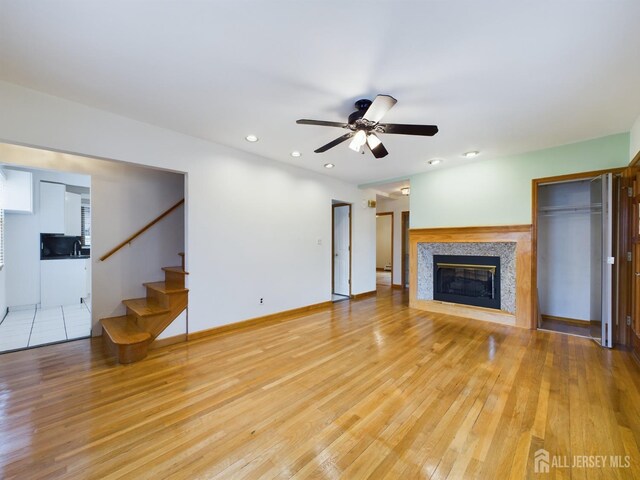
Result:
pixel 602 259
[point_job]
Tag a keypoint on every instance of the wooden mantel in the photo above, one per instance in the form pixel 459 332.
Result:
pixel 519 234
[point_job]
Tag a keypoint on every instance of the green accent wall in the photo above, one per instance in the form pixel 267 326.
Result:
pixel 498 191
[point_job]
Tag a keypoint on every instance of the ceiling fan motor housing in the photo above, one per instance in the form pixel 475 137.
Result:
pixel 362 105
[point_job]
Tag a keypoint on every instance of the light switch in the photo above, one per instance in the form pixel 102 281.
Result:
pixel 319 241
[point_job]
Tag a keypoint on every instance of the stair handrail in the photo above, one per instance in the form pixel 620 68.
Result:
pixel 141 231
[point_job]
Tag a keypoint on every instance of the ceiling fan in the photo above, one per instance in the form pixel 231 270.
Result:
pixel 364 125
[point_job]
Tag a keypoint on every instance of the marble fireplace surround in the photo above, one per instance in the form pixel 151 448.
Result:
pixel 505 250
pixel 512 243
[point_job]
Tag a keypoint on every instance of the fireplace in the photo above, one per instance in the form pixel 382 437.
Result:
pixel 467 279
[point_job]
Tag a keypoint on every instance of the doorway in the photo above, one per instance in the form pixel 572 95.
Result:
pixel 575 261
pixel 47 257
pixel 340 251
pixel 384 248
pixel 405 250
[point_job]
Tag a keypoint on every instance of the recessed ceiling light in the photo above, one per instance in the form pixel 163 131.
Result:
pixel 251 138
pixel 329 165
pixel 471 154
pixel 435 161
pixel 296 153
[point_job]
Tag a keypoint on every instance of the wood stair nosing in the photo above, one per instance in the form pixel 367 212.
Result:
pixel 166 288
pixel 145 307
pixel 123 330
pixel 178 270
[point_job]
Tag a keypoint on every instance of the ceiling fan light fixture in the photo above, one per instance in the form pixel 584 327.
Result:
pixel 373 141
pixel 471 154
pixel 435 161
pixel 296 154
pixel 359 139
pixel 329 165
pixel 251 138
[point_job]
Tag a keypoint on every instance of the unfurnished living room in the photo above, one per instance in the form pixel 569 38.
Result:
pixel 285 239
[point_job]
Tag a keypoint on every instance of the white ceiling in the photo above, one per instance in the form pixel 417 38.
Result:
pixel 391 189
pixel 501 77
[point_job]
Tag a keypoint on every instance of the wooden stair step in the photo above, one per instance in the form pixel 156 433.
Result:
pixel 165 288
pixel 145 307
pixel 179 270
pixel 124 331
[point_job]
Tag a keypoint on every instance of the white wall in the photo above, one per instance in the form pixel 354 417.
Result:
pixel 253 223
pixel 123 199
pixel 3 293
pixel 3 287
pixel 634 139
pixel 383 241
pixel 397 205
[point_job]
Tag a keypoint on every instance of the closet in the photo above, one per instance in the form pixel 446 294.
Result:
pixel 575 259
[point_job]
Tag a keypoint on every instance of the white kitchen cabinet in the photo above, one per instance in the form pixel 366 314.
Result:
pixel 62 282
pixel 72 214
pixel 52 203
pixel 87 278
pixel 60 211
pixel 18 191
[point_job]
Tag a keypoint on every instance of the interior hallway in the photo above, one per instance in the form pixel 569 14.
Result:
pixel 363 389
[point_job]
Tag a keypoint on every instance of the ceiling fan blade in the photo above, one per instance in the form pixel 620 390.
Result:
pixel 380 106
pixel 335 142
pixel 397 128
pixel 304 121
pixel 379 151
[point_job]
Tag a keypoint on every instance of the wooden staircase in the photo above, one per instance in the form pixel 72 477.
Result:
pixel 128 337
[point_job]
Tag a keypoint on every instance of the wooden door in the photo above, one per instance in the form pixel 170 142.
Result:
pixel 635 254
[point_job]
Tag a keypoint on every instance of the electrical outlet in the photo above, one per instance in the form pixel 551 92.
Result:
pixel 262 301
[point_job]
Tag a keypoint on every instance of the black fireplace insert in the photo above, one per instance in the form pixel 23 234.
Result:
pixel 467 279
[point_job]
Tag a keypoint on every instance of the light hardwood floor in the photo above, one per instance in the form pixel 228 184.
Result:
pixel 365 389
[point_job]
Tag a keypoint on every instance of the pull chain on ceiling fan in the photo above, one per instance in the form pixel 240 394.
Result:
pixel 365 124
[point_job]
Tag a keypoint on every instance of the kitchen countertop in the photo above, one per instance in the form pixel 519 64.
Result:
pixel 67 257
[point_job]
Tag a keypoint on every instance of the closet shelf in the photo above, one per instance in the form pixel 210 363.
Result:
pixel 571 208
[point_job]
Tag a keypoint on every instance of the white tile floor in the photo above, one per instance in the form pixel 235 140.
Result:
pixel 33 327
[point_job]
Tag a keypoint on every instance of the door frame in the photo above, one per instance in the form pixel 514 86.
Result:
pixel 404 225
pixel 535 183
pixel 381 214
pixel 333 246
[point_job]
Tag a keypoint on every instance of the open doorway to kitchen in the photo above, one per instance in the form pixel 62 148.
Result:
pixel 46 246
pixel 132 228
